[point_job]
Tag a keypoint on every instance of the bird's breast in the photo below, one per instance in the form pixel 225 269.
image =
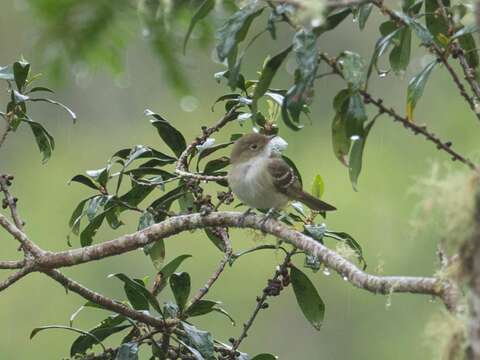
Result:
pixel 253 185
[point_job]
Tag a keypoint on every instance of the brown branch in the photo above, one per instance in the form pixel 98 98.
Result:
pixel 4 134
pixel 182 163
pixel 177 224
pixel 416 129
pixel 221 266
pixel 8 264
pixel 9 200
pixel 107 303
pixel 15 277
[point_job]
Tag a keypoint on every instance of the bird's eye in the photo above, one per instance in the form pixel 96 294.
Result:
pixel 253 147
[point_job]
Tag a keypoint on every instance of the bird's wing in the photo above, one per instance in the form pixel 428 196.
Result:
pixel 283 177
pixel 286 182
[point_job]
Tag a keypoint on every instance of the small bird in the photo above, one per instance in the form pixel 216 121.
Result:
pixel 261 179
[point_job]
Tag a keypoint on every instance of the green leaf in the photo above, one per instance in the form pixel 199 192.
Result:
pixel 172 137
pixel 53 102
pixel 215 238
pixel 109 326
pixel 202 307
pixel 356 154
pixel 300 95
pixel 217 164
pixel 364 12
pixel 164 202
pixel 332 21
pixel 180 285
pixel 202 11
pixel 318 186
pixel 39 89
pixel 127 351
pixel 169 269
pixel 340 140
pixel 416 86
pixel 434 20
pixel 45 141
pixel 420 30
pixel 93 339
pixel 316 231
pixel 467 42
pixel 269 70
pixel 353 69
pixel 467 29
pixel 156 251
pixel 390 33
pixel 264 357
pixel 400 55
pixel 82 179
pixel 86 236
pixel 138 290
pixel 355 114
pixel 75 218
pixel 235 29
pixel 308 299
pixel 200 340
pixel 350 241
pixel 20 72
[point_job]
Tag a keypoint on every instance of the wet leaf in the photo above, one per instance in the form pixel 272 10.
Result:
pixel 45 141
pixel 308 298
pixel 353 69
pixel 416 87
pixel 180 285
pixel 364 12
pixel 356 155
pixel 169 269
pixel 20 72
pixel 200 340
pixel 137 292
pixel 127 351
pixel 400 54
pixel 171 136
pixel 202 11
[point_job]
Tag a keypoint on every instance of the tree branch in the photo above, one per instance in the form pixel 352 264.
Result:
pixel 416 129
pixel 12 264
pixel 15 277
pixel 177 224
pixel 221 266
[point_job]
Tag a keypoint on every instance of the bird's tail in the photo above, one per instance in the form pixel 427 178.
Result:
pixel 314 203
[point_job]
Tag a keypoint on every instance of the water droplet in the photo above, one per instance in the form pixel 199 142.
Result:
pixel 326 271
pixel 388 303
pixel 354 137
pixel 345 278
pixel 355 19
pixel 145 32
pixel 189 103
pixel 383 74
pixel 316 22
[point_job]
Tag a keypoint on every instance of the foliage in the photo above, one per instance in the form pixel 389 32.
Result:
pixel 148 181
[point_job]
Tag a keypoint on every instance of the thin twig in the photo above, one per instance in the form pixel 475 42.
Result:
pixel 261 303
pixel 416 129
pixel 221 266
pixel 15 277
pixel 182 163
pixel 4 134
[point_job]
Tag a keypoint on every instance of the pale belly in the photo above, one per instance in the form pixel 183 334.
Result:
pixel 254 189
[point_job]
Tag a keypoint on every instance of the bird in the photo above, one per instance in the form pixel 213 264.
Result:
pixel 261 179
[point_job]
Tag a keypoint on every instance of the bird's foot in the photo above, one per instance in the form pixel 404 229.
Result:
pixel 270 214
pixel 244 216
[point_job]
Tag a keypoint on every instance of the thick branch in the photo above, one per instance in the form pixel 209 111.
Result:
pixel 175 225
pixel 8 264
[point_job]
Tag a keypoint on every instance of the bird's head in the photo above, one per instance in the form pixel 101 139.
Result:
pixel 250 146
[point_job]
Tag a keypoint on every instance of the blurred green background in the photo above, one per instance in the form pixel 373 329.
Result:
pixel 110 107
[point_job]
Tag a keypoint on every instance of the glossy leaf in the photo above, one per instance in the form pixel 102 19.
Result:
pixel 418 28
pixel 416 87
pixel 6 73
pixel 356 155
pixel 332 21
pixel 200 340
pixel 171 136
pixel 202 11
pixel 87 235
pixel 340 140
pixel 203 307
pixel 45 141
pixel 353 69
pixel 20 72
pixel 82 179
pixel 137 289
pixel 435 22
pixel 217 164
pixel 235 29
pixel 318 186
pixel 269 70
pixel 111 325
pixel 59 104
pixel 180 285
pixel 156 251
pixel 364 12
pixel 168 269
pixel 77 214
pixel 307 297
pixel 400 54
